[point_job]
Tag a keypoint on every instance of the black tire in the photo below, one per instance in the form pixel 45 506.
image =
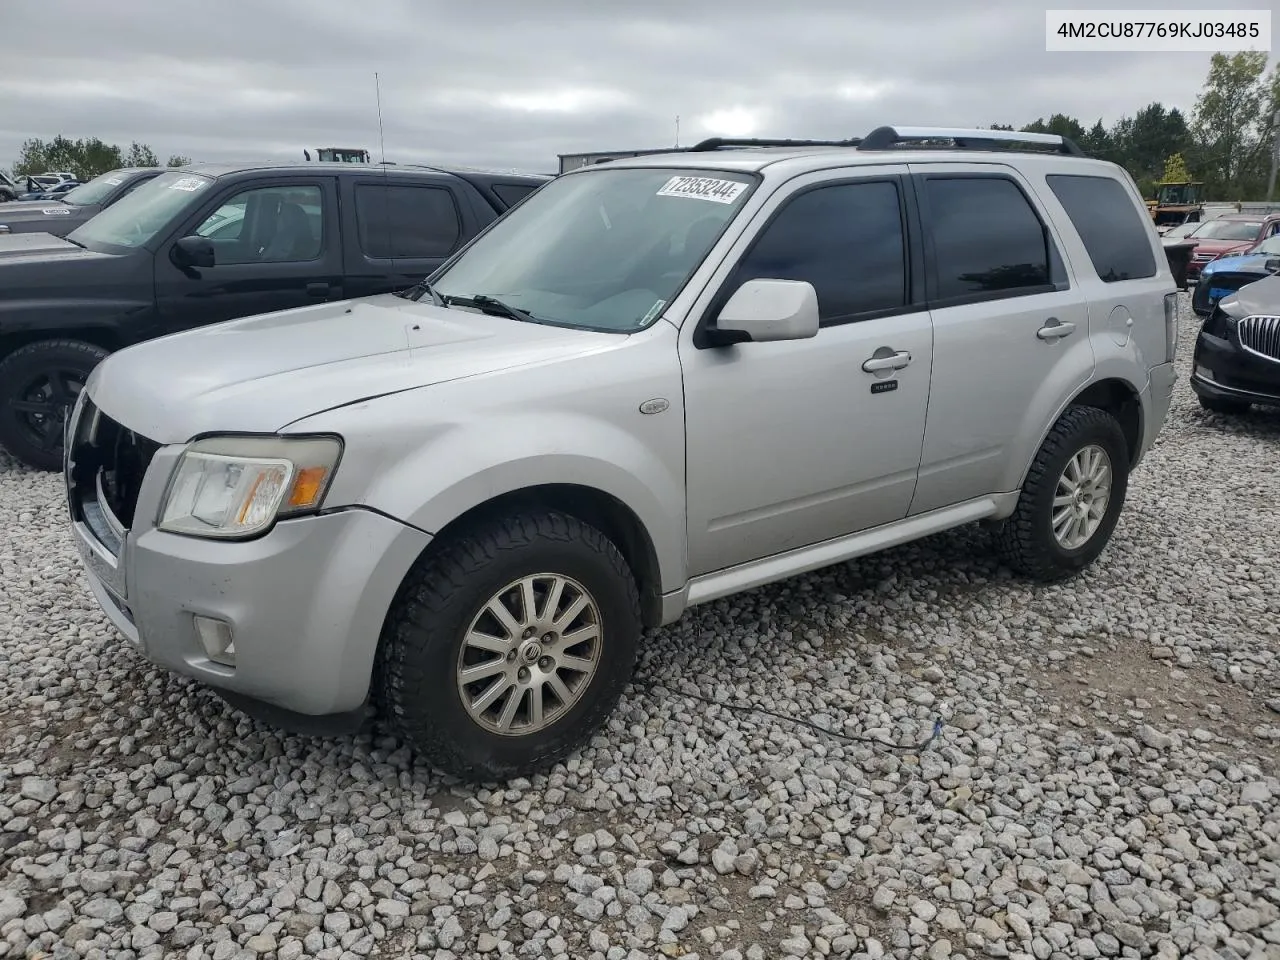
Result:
pixel 1026 539
pixel 416 682
pixel 1230 408
pixel 42 376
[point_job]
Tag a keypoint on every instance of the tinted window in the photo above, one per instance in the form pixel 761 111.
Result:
pixel 986 237
pixel 406 222
pixel 1112 230
pixel 846 240
pixel 267 225
pixel 513 193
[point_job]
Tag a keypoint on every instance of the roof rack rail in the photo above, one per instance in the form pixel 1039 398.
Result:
pixel 884 138
pixel 715 143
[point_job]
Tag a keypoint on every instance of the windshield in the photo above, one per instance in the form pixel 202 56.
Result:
pixel 1228 230
pixel 95 191
pixel 601 250
pixel 137 218
pixel 1269 245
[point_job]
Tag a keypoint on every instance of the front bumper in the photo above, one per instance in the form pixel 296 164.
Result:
pixel 1222 370
pixel 305 602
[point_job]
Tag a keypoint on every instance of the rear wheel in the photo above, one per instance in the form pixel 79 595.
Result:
pixel 1227 407
pixel 1071 499
pixel 509 646
pixel 39 384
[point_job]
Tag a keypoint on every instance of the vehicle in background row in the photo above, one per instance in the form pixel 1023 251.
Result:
pixel 1237 354
pixel 340 155
pixel 76 205
pixel 50 193
pixel 9 188
pixel 656 382
pixel 1229 272
pixel 164 258
pixel 1229 234
pixel 1176 202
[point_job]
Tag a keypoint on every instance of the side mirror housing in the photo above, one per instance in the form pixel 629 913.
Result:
pixel 193 252
pixel 764 310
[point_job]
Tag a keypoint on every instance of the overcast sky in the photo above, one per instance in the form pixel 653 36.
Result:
pixel 512 85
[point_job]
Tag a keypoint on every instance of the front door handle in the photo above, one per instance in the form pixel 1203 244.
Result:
pixel 320 289
pixel 892 361
pixel 1055 329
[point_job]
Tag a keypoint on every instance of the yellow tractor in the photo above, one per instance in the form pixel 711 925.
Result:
pixel 1176 202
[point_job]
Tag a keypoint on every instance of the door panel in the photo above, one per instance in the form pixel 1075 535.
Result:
pixel 1011 334
pixel 276 247
pixel 788 445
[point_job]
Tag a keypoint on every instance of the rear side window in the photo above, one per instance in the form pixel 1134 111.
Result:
pixel 987 238
pixel 406 222
pixel 513 193
pixel 1112 230
pixel 845 239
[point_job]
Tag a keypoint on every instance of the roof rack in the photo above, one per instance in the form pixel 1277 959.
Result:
pixel 884 138
pixel 716 143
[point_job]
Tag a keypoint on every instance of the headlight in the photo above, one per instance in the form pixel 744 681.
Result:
pixel 235 487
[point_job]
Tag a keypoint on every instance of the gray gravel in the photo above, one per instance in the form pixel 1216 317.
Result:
pixel 1106 784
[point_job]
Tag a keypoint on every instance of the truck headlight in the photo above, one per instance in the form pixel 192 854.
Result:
pixel 234 487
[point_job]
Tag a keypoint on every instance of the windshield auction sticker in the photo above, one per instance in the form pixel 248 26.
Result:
pixel 703 188
pixel 188 184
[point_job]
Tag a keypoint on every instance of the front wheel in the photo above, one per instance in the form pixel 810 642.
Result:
pixel 39 384
pixel 506 648
pixel 1071 499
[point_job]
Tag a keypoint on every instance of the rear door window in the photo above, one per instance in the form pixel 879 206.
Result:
pixel 406 221
pixel 988 241
pixel 1109 225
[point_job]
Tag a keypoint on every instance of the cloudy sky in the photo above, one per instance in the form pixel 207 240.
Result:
pixel 512 85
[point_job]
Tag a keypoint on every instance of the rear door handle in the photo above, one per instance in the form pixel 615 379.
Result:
pixel 1055 329
pixel 892 361
pixel 320 289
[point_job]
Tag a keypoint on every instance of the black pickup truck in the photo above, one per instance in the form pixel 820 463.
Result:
pixel 215 242
pixel 62 215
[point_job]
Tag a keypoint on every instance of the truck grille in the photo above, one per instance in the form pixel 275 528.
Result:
pixel 106 463
pixel 1261 335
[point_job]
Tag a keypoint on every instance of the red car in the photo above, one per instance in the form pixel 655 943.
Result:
pixel 1230 234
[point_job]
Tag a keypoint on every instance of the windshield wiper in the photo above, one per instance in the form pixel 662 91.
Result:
pixel 418 289
pixel 494 305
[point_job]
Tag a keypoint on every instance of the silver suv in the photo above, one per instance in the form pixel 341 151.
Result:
pixel 655 382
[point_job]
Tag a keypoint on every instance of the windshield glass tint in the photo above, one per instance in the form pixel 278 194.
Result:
pixel 135 219
pixel 96 190
pixel 1227 230
pixel 605 249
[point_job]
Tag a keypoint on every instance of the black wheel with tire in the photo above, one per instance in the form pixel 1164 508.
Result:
pixel 39 383
pixel 1071 498
pixel 509 645
pixel 1231 408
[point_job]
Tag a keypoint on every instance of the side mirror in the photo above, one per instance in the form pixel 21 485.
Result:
pixel 764 310
pixel 193 252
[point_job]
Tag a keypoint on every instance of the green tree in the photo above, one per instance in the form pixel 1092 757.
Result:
pixel 1229 123
pixel 140 155
pixel 178 160
pixel 85 158
pixel 1059 123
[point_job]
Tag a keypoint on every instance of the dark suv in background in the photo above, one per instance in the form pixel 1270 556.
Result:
pixel 214 242
pixel 61 214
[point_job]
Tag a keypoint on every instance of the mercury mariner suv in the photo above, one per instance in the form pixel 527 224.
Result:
pixel 653 383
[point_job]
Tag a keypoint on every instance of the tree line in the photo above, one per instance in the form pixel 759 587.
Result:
pixel 86 158
pixel 1226 142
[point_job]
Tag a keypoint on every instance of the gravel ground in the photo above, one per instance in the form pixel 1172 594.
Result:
pixel 1105 784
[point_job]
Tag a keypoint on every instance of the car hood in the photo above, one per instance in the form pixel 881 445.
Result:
pixel 26 247
pixel 1259 297
pixel 1242 263
pixel 39 211
pixel 261 373
pixel 1222 246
